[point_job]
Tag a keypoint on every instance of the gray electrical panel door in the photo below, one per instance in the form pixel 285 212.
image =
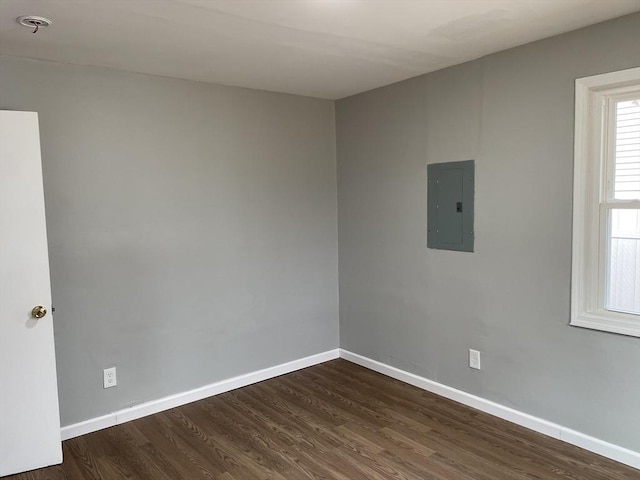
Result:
pixel 450 206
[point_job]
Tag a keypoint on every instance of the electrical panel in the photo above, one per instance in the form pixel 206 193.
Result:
pixel 450 193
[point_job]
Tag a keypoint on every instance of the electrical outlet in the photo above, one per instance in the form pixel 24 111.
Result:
pixel 474 359
pixel 110 377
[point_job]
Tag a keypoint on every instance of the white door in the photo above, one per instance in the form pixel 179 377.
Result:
pixel 29 417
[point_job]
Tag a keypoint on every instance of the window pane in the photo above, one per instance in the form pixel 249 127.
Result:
pixel 624 261
pixel 627 170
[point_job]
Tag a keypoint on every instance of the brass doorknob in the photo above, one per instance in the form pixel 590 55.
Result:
pixel 39 311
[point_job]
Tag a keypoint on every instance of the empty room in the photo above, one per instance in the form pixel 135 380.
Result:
pixel 319 239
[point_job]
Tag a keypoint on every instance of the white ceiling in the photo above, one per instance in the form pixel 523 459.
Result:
pixel 319 48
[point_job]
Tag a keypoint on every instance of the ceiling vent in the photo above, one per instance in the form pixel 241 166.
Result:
pixel 33 21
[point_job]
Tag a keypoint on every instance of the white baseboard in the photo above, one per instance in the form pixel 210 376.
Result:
pixel 155 406
pixel 609 450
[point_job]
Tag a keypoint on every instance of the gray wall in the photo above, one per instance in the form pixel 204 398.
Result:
pixel 420 309
pixel 192 228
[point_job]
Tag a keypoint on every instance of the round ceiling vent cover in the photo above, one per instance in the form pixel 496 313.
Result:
pixel 33 21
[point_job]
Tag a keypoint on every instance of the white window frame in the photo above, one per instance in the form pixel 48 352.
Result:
pixel 592 199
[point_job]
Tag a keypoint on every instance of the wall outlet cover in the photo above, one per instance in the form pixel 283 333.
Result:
pixel 474 359
pixel 109 377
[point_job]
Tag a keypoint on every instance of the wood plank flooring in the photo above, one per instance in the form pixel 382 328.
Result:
pixel 331 421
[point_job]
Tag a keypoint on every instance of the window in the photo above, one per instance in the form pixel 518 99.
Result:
pixel 605 291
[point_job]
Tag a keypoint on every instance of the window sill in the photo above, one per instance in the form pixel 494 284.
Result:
pixel 621 323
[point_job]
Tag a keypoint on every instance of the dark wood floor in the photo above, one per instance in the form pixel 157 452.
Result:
pixel 331 421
